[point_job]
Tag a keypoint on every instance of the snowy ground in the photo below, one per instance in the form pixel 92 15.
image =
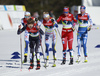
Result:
pixel 10 42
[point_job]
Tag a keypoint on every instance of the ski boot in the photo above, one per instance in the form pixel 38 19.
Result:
pixel 54 64
pixel 78 60
pixel 25 59
pixel 85 60
pixel 71 61
pixel 31 66
pixel 63 62
pixel 38 65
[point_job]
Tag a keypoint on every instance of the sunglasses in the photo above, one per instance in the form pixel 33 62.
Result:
pixel 65 12
pixel 27 16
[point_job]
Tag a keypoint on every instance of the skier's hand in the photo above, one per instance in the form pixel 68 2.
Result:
pixel 37 27
pixel 73 28
pixel 74 24
pixel 36 19
pixel 52 20
pixel 19 26
pixel 89 28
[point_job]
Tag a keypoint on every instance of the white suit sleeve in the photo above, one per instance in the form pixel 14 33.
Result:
pixel 90 20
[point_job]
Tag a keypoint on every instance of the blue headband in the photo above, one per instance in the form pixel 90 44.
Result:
pixel 83 7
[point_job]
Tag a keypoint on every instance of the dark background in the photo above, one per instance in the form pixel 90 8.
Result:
pixel 43 5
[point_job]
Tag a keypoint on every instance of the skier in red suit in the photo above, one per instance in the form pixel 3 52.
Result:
pixel 67 33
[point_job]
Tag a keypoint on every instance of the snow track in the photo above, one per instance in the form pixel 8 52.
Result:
pixel 10 42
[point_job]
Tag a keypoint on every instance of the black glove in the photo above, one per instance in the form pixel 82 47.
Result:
pixel 52 20
pixel 36 19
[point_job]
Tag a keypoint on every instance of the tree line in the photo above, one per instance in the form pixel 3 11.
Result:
pixel 43 5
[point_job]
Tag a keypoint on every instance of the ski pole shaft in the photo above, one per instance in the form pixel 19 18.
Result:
pixel 58 32
pixel 41 47
pixel 95 28
pixel 21 49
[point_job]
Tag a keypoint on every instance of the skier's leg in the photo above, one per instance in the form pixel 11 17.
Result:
pixel 54 41
pixel 70 43
pixel 37 54
pixel 26 51
pixel 64 42
pixel 79 46
pixel 84 46
pixel 47 43
pixel 26 38
pixel 31 54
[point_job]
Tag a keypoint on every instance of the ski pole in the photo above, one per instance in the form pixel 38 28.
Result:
pixel 58 32
pixel 21 49
pixel 41 47
pixel 95 28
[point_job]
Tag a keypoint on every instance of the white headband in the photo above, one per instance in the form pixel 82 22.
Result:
pixel 45 15
pixel 27 13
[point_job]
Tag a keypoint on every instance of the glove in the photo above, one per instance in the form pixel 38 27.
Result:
pixel 52 20
pixel 73 29
pixel 36 19
pixel 56 25
pixel 89 28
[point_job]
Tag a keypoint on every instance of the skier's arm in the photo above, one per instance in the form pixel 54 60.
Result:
pixel 20 30
pixel 91 23
pixel 41 31
pixel 74 22
pixel 22 22
pixel 74 19
pixel 90 20
pixel 54 22
pixel 59 19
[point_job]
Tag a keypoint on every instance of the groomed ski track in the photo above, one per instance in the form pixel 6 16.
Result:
pixel 10 42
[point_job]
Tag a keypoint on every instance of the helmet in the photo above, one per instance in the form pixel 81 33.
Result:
pixel 66 9
pixel 83 7
pixel 27 13
pixel 46 15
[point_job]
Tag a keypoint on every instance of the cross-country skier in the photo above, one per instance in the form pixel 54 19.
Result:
pixel 82 35
pixel 26 34
pixel 33 30
pixel 67 33
pixel 50 34
pixel 36 16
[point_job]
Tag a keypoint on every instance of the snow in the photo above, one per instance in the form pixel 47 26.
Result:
pixel 10 42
